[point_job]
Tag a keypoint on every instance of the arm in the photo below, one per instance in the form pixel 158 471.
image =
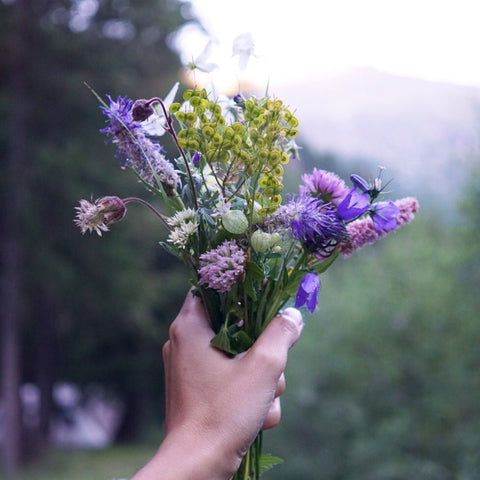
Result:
pixel 216 405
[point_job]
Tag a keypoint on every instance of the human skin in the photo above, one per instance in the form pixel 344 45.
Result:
pixel 216 405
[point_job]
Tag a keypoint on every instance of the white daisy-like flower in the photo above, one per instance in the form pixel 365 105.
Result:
pixel 182 217
pixel 185 225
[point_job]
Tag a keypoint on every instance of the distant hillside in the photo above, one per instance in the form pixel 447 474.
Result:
pixel 425 133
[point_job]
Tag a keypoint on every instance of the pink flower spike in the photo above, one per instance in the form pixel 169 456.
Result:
pixel 362 231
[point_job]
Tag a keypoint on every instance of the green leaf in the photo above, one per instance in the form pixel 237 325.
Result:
pixel 320 267
pixel 268 461
pixel 240 341
pixel 255 271
pixel 222 341
pixel 232 340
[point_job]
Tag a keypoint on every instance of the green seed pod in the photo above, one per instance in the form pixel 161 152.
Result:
pixel 235 222
pixel 190 118
pixel 187 94
pixel 256 217
pixel 174 107
pixel 260 241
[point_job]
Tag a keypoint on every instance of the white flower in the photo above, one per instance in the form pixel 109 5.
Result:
pixel 186 226
pixel 201 63
pixel 155 124
pixel 243 46
pixel 182 217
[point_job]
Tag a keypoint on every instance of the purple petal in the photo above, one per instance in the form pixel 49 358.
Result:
pixel 360 183
pixel 384 215
pixel 353 205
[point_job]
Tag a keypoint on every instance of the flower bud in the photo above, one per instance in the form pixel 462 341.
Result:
pixel 112 208
pixel 235 221
pixel 262 241
pixel 141 110
pixel 95 217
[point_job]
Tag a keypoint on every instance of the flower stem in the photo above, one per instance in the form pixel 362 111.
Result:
pixel 169 128
pixel 148 205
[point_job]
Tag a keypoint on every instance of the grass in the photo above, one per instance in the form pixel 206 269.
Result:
pixel 106 464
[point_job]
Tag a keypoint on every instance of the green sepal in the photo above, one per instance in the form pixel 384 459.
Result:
pixel 268 461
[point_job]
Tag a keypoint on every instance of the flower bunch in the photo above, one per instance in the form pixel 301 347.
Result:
pixel 249 248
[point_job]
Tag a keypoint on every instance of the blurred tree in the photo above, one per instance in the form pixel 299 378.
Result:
pixel 79 309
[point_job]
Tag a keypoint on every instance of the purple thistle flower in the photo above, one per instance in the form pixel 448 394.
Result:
pixel 353 205
pixel 326 185
pixel 134 147
pixel 384 215
pixel 222 266
pixel 313 222
pixel 307 292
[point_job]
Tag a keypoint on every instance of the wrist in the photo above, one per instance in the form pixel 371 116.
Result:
pixel 190 455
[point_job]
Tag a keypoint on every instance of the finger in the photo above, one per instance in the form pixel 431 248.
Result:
pixel 280 386
pixel 273 416
pixel 192 320
pixel 273 343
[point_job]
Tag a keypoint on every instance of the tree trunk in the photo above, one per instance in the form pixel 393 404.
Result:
pixel 10 293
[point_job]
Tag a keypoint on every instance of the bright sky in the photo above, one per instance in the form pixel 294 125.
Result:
pixel 432 39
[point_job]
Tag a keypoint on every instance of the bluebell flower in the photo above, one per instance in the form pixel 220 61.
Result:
pixel 353 205
pixel 384 215
pixel 360 183
pixel 307 292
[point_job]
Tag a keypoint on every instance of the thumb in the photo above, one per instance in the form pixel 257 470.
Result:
pixel 280 334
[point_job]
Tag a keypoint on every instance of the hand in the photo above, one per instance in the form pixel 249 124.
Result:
pixel 215 405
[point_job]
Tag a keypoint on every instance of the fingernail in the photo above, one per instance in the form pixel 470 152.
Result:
pixel 293 315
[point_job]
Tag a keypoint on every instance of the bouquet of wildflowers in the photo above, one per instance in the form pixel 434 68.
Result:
pixel 249 249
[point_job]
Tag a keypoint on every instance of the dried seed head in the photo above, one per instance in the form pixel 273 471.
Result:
pixel 141 110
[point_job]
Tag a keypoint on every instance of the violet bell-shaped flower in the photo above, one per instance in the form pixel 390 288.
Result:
pixel 354 204
pixel 360 183
pixel 384 215
pixel 308 291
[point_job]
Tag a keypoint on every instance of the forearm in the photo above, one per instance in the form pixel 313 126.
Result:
pixel 189 457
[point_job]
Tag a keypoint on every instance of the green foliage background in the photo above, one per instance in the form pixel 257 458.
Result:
pixel 384 383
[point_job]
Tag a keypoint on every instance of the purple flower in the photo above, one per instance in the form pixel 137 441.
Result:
pixel 360 183
pixel 195 158
pixel 363 231
pixel 384 215
pixel 307 292
pixel 119 115
pixel 222 266
pixel 135 148
pixel 326 185
pixel 311 221
pixel 353 205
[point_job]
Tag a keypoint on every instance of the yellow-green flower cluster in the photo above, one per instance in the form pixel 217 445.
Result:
pixel 247 152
